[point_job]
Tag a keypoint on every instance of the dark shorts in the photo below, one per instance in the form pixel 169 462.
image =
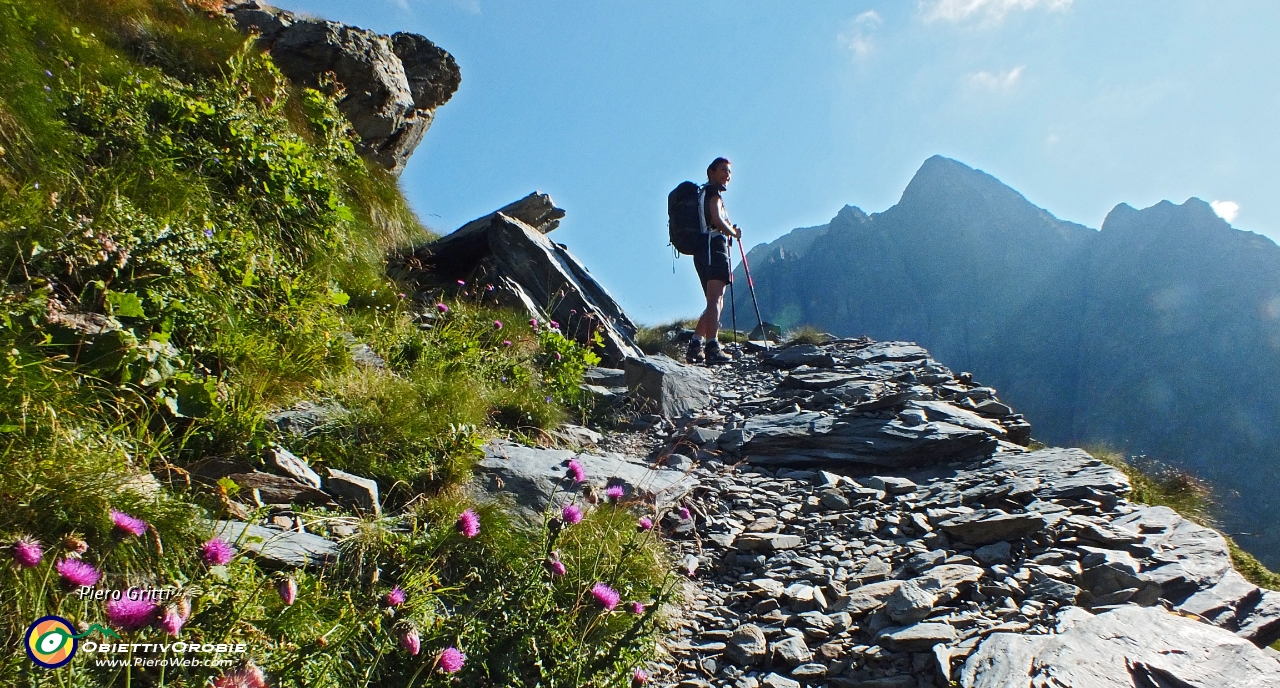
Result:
pixel 714 266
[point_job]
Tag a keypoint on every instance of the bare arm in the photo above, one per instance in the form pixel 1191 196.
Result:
pixel 715 218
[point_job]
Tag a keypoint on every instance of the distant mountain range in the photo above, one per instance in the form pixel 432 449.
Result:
pixel 1158 334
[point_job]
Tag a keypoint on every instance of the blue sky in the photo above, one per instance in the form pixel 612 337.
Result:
pixel 606 106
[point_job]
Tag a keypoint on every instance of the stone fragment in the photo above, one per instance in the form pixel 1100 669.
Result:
pixel 994 553
pixel 917 637
pixel 892 484
pixel 278 547
pixel 767 542
pixel 910 603
pixel 863 599
pixel 992 525
pixel 289 464
pixel 949 576
pixel 793 651
pixel 747 646
pixel 277 489
pixel 795 356
pixel 775 681
pixel 363 492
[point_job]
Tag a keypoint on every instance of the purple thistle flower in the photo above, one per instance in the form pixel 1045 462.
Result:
pixel 572 514
pixel 497 324
pixel 557 355
pixel 172 620
pixel 442 308
pixel 645 523
pixel 400 295
pixel 469 524
pixel 576 471
pixel 637 608
pixel 684 513
pixel 614 492
pixel 217 552
pixel 288 589
pixel 639 678
pixel 606 596
pixel 506 342
pixel 556 567
pixel 396 597
pixel 554 325
pixel 130 615
pixel 128 524
pixel 78 573
pixel 451 660
pixel 462 283
pixel 410 640
pixel 27 552
pixel 533 322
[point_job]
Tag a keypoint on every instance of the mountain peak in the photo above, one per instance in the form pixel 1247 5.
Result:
pixel 1165 217
pixel 945 185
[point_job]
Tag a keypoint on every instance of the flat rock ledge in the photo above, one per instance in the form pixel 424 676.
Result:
pixel 862 516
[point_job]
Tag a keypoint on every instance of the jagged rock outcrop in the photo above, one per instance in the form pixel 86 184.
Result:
pixel 393 84
pixel 821 572
pixel 509 250
pixel 1156 333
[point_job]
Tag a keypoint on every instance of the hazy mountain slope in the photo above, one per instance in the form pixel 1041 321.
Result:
pixel 1158 333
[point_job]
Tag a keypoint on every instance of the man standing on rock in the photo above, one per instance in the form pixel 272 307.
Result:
pixel 713 264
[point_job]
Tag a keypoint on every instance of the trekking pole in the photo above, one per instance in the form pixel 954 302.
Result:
pixel 733 307
pixel 751 286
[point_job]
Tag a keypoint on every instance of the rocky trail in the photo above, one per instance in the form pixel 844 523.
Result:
pixel 858 515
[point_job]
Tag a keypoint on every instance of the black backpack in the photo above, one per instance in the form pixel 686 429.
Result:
pixel 684 219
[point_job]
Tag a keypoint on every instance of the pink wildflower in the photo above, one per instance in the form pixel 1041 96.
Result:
pixel 637 608
pixel 216 552
pixel 639 678
pixel 400 295
pixel 557 355
pixel 442 308
pixel 469 524
pixel 576 471
pixel 128 524
pixel 533 322
pixel 497 324
pixel 396 597
pixel 614 492
pixel 27 552
pixel 288 589
pixel 248 676
pixel 645 523
pixel 506 342
pixel 130 615
pixel 556 567
pixel 606 596
pixel 172 620
pixel 554 325
pixel 77 573
pixel 684 513
pixel 410 640
pixel 572 514
pixel 451 660
pixel 462 283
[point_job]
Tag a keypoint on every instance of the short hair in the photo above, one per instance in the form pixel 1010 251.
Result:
pixel 716 163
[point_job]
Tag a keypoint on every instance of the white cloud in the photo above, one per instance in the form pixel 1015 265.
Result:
pixel 988 11
pixel 857 37
pixel 1226 210
pixel 996 81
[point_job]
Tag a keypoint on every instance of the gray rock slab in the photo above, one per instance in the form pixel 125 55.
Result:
pixel 986 526
pixel 605 377
pixel 276 489
pixel 817 381
pixel 892 351
pixel 917 637
pixel 949 576
pixel 1189 556
pixel 362 492
pixel 532 475
pixel 673 389
pixel 795 356
pixel 866 598
pixel 910 603
pixel 305 418
pixel 948 413
pixel 1062 473
pixel 278 547
pixel 793 651
pixel 1260 623
pixel 809 437
pixel 1130 647
pixel 772 680
pixel 767 542
pixel 291 465
pixel 747 646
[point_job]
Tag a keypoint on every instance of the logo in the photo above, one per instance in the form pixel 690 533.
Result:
pixel 51 642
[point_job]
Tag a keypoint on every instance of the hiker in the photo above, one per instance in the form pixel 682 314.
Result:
pixel 713 264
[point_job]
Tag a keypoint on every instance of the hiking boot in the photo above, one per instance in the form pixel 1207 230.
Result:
pixel 694 353
pixel 715 356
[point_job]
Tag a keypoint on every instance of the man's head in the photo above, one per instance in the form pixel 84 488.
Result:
pixel 719 171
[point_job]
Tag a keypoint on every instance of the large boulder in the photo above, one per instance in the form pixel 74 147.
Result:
pixel 535 477
pixel 1130 647
pixel 815 437
pixel 671 388
pixel 391 85
pixel 513 253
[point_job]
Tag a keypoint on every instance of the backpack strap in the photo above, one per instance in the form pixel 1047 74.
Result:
pixel 702 209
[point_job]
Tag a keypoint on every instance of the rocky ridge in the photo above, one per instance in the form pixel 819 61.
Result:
pixel 863 516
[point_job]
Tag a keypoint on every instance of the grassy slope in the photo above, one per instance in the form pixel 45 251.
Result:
pixel 158 173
